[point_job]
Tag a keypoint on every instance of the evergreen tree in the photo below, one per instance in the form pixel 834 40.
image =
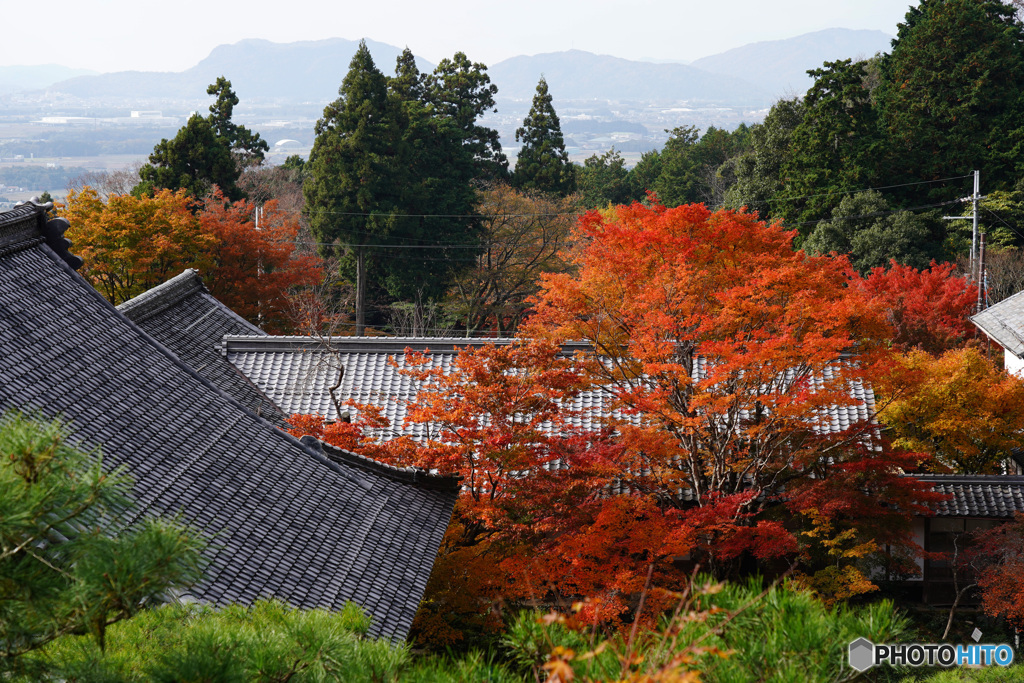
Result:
pixel 461 91
pixel 604 180
pixel 194 161
pixel 358 170
pixel 543 163
pixel 675 181
pixel 645 174
pixel 245 144
pixel 836 148
pixel 207 151
pixel 437 199
pixel 951 94
pixel 863 227
pixel 692 165
pixel 758 171
pixel 408 83
pixel 62 570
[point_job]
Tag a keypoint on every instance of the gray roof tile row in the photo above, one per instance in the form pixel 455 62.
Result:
pixel 297 373
pixel 282 519
pixel 182 315
pixel 976 495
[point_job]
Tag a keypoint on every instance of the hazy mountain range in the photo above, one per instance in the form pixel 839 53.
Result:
pixel 16 78
pixel 311 71
pixel 780 66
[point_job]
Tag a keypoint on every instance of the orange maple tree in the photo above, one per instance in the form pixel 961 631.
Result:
pixel 504 419
pixel 131 244
pixel 737 365
pixel 995 557
pixel 714 413
pixel 959 408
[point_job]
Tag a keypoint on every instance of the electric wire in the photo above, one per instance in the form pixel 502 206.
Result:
pixel 868 189
pixel 1000 219
pixel 877 214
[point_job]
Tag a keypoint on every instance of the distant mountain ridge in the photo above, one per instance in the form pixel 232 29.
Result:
pixel 311 71
pixel 16 78
pixel 579 75
pixel 780 66
pixel 296 72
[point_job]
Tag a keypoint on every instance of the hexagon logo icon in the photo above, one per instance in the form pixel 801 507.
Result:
pixel 862 654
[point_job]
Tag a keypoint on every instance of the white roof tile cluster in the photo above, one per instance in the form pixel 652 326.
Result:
pixel 296 373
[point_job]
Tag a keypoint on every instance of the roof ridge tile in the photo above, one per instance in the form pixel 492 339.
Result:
pixel 163 296
pixel 410 475
pixel 26 225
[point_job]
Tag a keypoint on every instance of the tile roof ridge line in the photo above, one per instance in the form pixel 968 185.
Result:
pixel 163 296
pixel 995 305
pixel 968 478
pixel 280 433
pixel 227 309
pixel 410 475
pixel 18 233
pixel 266 343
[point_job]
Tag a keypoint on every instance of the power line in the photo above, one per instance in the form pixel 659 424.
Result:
pixel 1000 219
pixel 868 189
pixel 435 215
pixel 878 214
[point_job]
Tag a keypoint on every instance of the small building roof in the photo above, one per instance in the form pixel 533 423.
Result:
pixel 182 315
pixel 282 519
pixel 1004 323
pixel 977 495
pixel 297 373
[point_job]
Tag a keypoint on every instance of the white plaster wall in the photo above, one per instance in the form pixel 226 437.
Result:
pixel 1014 365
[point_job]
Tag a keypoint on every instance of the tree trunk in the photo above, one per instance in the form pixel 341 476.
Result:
pixel 360 291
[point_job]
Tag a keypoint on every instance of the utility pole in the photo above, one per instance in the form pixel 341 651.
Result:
pixel 974 211
pixel 257 215
pixel 981 273
pixel 977 264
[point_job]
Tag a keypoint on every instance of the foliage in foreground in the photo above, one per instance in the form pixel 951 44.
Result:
pixel 267 642
pixel 61 571
pixel 721 632
pixel 727 632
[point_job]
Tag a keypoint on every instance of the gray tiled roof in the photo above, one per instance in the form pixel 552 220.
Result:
pixel 1004 323
pixel 182 315
pixel 282 519
pixel 977 495
pixel 297 372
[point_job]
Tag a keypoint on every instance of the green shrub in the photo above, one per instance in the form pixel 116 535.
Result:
pixel 63 568
pixel 268 642
pixel 732 633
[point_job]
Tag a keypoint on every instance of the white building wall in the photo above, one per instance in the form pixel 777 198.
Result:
pixel 1014 365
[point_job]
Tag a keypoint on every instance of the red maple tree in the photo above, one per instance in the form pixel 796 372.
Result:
pixel 716 414
pixel 927 309
pixel 738 367
pixel 255 266
pixel 995 558
pixel 131 244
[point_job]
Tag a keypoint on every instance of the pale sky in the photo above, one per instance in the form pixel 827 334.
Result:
pixel 116 35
